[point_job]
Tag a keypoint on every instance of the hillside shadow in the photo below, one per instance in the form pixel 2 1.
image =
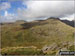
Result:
pixel 31 24
pixel 70 23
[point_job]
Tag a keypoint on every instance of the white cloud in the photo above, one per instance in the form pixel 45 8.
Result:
pixel 68 17
pixel 6 13
pixel 37 9
pixel 40 10
pixel 4 6
pixel 8 17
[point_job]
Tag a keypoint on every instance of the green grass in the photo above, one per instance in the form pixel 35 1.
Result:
pixel 71 48
pixel 21 51
pixel 49 32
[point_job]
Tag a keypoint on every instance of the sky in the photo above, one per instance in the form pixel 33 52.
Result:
pixel 29 10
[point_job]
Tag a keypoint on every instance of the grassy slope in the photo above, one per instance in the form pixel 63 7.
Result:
pixel 45 33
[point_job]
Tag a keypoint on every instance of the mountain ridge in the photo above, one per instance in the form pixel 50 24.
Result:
pixel 37 33
pixel 70 23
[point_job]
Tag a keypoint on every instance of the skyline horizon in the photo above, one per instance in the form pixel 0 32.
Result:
pixel 36 10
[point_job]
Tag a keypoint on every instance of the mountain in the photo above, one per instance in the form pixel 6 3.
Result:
pixel 71 23
pixel 50 32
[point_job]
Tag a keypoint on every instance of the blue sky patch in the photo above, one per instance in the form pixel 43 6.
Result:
pixel 14 6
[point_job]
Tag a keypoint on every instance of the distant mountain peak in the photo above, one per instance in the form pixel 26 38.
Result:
pixel 53 18
pixel 70 23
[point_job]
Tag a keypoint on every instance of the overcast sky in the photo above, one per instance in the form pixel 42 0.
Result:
pixel 35 10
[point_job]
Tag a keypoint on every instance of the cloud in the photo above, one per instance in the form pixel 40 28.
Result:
pixel 37 9
pixel 4 6
pixel 6 13
pixel 68 17
pixel 8 17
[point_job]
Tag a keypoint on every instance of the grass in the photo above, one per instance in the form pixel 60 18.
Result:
pixel 21 51
pixel 49 32
pixel 71 48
